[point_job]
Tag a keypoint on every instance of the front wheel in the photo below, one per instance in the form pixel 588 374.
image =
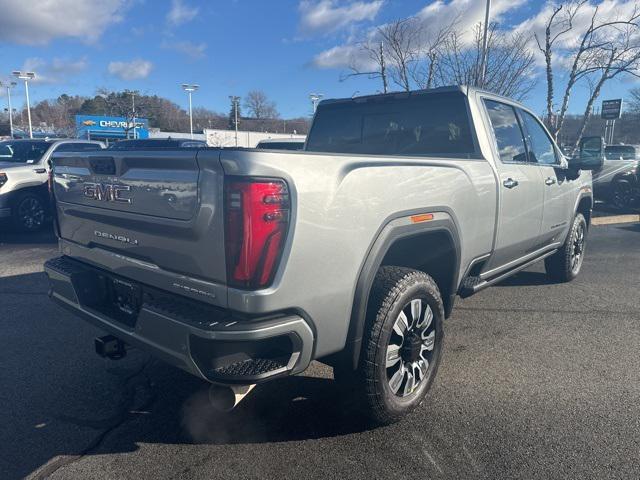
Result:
pixel 29 213
pixel 566 263
pixel 402 344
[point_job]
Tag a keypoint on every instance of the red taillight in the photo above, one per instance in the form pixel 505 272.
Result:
pixel 256 221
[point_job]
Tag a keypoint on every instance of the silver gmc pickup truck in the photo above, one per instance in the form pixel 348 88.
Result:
pixel 242 266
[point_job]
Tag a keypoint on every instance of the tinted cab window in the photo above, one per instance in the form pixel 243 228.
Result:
pixel 506 128
pixel 23 151
pixel 620 152
pixel 424 124
pixel 541 148
pixel 78 147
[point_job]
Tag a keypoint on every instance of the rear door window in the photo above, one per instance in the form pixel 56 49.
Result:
pixel 507 131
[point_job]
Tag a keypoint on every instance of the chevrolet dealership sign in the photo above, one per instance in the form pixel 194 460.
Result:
pixel 97 127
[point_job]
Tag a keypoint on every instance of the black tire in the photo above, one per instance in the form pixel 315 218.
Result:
pixel 564 266
pixel 622 194
pixel 29 212
pixel 393 290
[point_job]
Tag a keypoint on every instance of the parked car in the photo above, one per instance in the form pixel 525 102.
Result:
pixel 618 183
pixel 157 143
pixel 241 266
pixel 24 168
pixel 281 144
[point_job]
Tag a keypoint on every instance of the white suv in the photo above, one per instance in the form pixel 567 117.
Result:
pixel 24 169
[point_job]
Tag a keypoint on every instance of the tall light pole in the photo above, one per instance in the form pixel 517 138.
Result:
pixel 133 109
pixel 9 85
pixel 315 98
pixel 190 88
pixel 26 76
pixel 485 39
pixel 235 101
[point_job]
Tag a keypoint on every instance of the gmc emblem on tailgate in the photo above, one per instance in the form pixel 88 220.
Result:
pixel 107 192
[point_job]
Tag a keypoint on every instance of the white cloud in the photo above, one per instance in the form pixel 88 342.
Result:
pixel 58 70
pixel 192 50
pixel 36 22
pixel 133 70
pixel 608 10
pixel 181 13
pixel 436 14
pixel 326 16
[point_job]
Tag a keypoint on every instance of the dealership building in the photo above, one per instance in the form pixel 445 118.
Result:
pixel 110 129
pixel 98 127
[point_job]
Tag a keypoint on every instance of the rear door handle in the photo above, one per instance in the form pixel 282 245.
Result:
pixel 550 181
pixel 510 183
pixel 40 170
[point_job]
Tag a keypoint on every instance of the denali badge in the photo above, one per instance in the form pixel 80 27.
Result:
pixel 108 192
pixel 117 237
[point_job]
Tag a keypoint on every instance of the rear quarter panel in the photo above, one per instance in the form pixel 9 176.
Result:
pixel 340 204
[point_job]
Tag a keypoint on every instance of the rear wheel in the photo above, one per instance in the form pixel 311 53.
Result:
pixel 622 194
pixel 29 212
pixel 566 263
pixel 402 344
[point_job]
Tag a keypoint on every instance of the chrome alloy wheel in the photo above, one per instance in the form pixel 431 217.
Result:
pixel 31 213
pixel 577 252
pixel 410 348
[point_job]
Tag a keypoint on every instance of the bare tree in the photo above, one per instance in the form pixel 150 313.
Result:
pixel 510 62
pixel 559 23
pixel 605 49
pixel 432 46
pixel 402 44
pixel 259 106
pixel 374 59
pixel 635 100
pixel 403 51
pixel 621 56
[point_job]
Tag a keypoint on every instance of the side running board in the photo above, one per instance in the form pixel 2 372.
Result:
pixel 472 285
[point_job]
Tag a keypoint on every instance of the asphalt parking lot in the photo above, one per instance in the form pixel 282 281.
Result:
pixel 537 381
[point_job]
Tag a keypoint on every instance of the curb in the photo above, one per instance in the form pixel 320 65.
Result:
pixel 613 219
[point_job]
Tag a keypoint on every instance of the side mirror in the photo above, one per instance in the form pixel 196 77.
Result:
pixel 590 156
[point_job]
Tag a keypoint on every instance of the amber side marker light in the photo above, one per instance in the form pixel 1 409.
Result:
pixel 424 217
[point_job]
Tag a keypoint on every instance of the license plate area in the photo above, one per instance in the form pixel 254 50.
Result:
pixel 117 299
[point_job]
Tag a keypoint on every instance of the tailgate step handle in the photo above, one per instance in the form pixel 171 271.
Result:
pixel 110 347
pixel 251 368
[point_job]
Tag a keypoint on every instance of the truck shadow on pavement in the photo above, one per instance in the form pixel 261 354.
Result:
pixel 526 278
pixel 291 409
pixel 67 402
pixel 9 236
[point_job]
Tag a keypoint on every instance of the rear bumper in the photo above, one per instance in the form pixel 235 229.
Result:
pixel 208 342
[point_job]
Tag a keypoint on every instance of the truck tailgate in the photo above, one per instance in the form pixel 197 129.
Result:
pixel 162 208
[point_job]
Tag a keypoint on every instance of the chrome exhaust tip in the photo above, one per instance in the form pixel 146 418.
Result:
pixel 226 398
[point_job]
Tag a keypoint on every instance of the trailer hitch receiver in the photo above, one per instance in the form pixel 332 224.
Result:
pixel 110 347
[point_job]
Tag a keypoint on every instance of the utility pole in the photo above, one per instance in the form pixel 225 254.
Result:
pixel 26 76
pixel 315 98
pixel 190 88
pixel 9 85
pixel 133 110
pixel 485 39
pixel 235 101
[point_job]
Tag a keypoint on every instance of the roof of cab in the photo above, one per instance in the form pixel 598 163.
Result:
pixel 463 89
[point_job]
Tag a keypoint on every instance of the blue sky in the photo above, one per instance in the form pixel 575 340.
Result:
pixel 284 47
